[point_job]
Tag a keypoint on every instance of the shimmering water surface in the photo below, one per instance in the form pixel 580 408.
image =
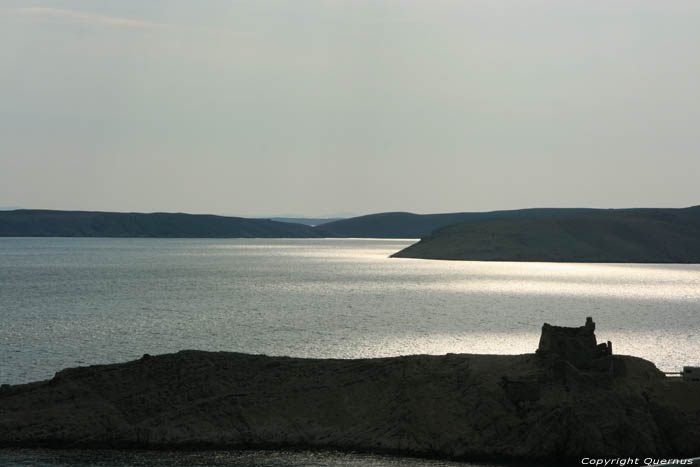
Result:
pixel 48 458
pixel 68 302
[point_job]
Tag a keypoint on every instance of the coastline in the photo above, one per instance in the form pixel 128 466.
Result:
pixel 456 406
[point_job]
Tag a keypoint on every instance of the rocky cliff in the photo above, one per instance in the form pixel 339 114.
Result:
pixel 457 406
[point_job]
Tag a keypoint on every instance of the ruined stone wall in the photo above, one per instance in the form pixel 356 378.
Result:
pixel 577 345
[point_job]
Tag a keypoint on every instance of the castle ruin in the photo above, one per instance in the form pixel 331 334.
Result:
pixel 576 345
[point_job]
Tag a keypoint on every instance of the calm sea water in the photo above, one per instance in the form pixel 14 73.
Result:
pixel 49 458
pixel 68 302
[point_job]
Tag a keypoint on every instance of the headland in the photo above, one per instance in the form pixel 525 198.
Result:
pixel 571 399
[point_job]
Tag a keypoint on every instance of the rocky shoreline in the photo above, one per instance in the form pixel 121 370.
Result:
pixel 521 407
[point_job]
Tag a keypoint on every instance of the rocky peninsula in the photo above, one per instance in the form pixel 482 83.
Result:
pixel 611 236
pixel 571 399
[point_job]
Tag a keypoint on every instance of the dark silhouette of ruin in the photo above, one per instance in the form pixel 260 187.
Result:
pixel 576 345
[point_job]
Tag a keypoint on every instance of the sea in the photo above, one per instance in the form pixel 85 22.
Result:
pixel 67 302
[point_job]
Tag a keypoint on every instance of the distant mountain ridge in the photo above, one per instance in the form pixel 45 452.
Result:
pixel 539 234
pixel 409 225
pixel 627 236
pixel 53 223
pixel 47 223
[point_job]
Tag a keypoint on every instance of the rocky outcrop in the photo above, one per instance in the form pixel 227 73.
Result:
pixel 456 406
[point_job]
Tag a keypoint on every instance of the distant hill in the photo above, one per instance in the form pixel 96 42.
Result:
pixel 627 236
pixel 45 223
pixel 409 225
pixel 50 223
pixel 312 221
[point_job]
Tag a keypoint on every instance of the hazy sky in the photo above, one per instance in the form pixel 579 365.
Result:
pixel 318 107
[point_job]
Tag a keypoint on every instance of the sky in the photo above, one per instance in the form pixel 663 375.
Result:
pixel 328 107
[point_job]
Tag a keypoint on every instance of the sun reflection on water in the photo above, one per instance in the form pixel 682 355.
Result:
pixel 107 300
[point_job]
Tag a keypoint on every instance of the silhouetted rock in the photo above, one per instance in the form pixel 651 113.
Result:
pixel 457 406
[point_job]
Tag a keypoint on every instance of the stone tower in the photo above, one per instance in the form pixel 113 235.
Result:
pixel 576 345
